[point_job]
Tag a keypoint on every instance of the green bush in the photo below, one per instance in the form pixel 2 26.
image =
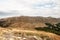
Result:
pixel 51 28
pixel 4 23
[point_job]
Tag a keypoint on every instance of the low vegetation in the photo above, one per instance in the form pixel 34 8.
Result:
pixel 54 28
pixel 17 34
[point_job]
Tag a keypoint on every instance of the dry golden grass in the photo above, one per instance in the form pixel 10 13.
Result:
pixel 29 32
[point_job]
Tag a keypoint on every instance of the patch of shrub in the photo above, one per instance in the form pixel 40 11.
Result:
pixel 51 28
pixel 4 23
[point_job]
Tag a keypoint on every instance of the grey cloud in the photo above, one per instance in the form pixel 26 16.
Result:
pixel 7 14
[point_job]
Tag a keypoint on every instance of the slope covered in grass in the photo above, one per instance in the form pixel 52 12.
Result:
pixel 15 33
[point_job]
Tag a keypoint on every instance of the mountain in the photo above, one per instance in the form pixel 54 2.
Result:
pixel 28 21
pixel 25 25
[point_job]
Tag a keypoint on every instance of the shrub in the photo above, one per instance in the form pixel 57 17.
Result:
pixel 4 23
pixel 51 28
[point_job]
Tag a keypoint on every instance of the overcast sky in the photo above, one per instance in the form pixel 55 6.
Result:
pixel 30 8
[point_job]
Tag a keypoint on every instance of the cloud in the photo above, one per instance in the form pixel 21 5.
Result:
pixel 45 5
pixel 30 7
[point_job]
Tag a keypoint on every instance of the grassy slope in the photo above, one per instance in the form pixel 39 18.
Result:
pixel 30 32
pixel 29 23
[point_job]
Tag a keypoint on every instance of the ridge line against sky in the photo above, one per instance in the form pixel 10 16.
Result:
pixel 30 8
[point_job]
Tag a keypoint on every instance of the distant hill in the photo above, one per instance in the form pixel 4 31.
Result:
pixel 26 26
pixel 27 22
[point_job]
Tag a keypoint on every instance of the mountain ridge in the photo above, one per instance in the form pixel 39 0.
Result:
pixel 27 20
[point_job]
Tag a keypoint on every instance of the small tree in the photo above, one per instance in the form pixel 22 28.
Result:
pixel 58 26
pixel 50 26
